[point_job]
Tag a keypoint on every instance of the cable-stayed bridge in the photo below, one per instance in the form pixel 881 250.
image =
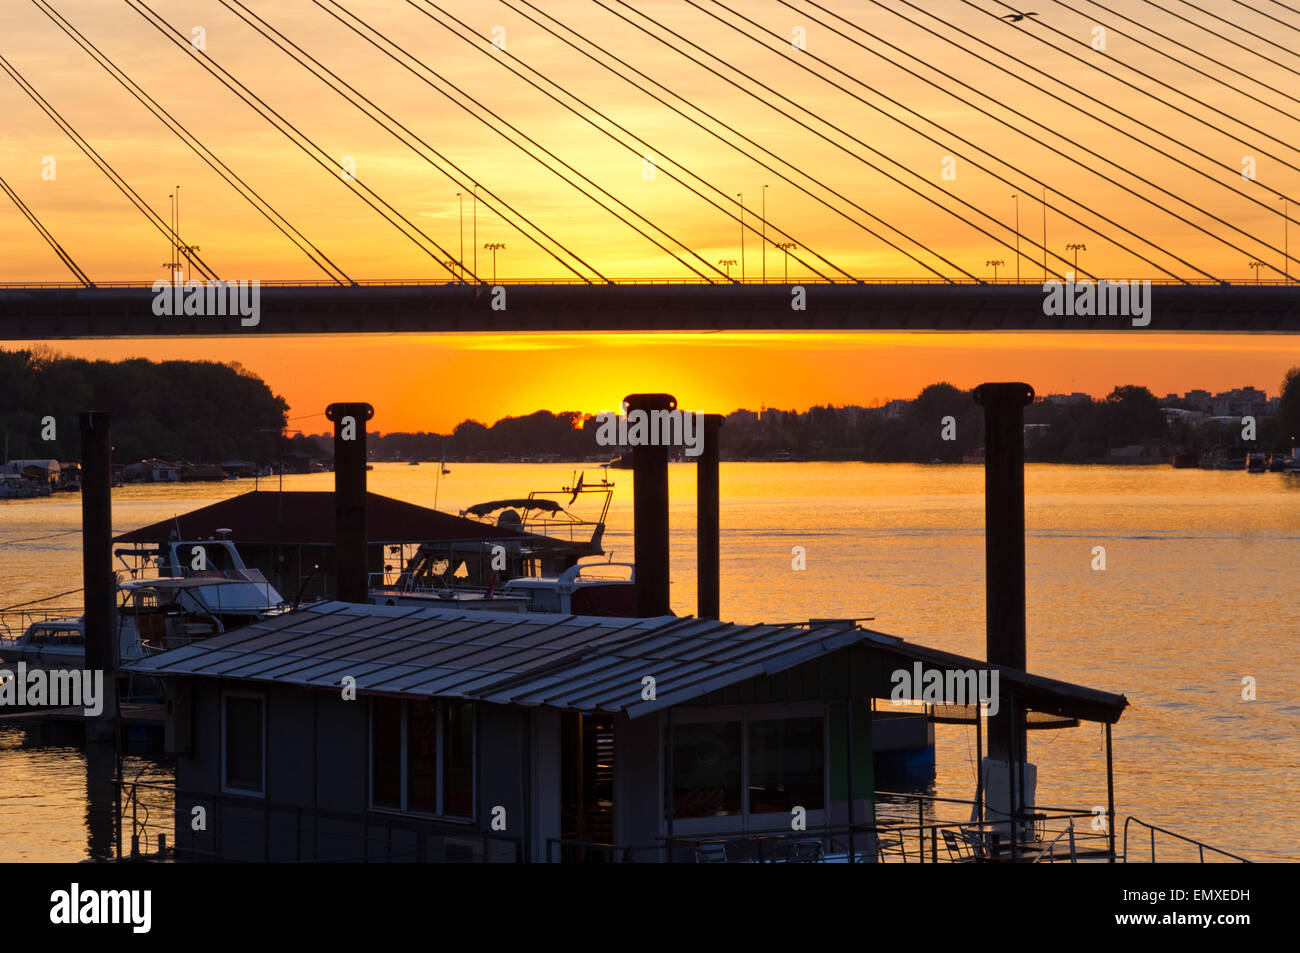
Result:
pixel 1170 137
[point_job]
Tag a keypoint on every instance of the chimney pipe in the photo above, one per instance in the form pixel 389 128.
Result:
pixel 350 498
pixel 707 521
pixel 1004 547
pixel 650 512
pixel 97 559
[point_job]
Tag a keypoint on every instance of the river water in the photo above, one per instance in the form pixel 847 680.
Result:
pixel 1198 592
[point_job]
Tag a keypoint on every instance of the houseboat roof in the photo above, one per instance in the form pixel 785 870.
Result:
pixel 584 663
pixel 306 518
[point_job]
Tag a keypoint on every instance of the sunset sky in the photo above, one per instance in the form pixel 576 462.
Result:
pixel 432 382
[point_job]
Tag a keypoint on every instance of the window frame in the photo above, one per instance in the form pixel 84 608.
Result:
pixel 440 811
pixel 261 699
pixel 746 820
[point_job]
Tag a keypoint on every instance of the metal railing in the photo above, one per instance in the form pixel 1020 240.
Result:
pixel 887 839
pixel 157 821
pixel 1200 846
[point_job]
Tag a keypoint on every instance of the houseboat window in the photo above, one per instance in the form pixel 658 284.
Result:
pixel 706 769
pixel 243 750
pixel 386 753
pixel 458 758
pixel 422 756
pixel 786 764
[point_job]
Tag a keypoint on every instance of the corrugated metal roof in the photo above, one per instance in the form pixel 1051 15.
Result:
pixel 570 662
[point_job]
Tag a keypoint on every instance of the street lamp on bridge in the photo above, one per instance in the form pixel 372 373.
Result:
pixel 1076 247
pixel 494 247
pixel 727 263
pixel 1256 265
pixel 740 197
pixel 994 263
pixel 786 247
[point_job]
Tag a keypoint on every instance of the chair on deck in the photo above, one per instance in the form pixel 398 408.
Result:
pixel 805 852
pixel 974 840
pixel 963 846
pixel 713 853
pixel 889 843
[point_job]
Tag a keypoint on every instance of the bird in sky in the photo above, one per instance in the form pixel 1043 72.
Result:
pixel 1017 17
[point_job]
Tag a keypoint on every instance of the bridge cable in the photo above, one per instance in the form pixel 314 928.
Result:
pixel 1278 3
pixel 45 234
pixel 1182 62
pixel 356 97
pixel 1062 100
pixel 474 39
pixel 1225 38
pixel 1146 92
pixel 1041 142
pixel 362 191
pixel 104 166
pixel 309 248
pixel 498 128
pixel 1238 26
pixel 1267 16
pixel 679 49
pixel 939 125
pixel 721 138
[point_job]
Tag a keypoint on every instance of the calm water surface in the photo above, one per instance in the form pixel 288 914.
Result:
pixel 1199 591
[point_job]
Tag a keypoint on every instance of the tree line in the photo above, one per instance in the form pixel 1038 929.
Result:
pixel 196 411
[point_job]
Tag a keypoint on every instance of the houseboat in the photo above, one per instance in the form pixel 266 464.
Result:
pixel 418 733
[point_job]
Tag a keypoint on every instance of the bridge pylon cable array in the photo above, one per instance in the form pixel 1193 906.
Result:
pixel 460 178
pixel 1232 176
pixel 310 147
pixel 505 128
pixel 1191 49
pixel 505 59
pixel 182 132
pixel 1147 92
pixel 735 15
pixel 682 42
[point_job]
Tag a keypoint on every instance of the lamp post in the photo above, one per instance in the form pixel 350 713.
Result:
pixel 494 247
pixel 785 247
pixel 740 196
pixel 1017 198
pixel 765 234
pixel 727 263
pixel 1044 233
pixel 1256 265
pixel 1076 247
pixel 995 262
pixel 1286 239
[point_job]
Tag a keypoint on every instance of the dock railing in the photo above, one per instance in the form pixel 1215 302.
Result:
pixel 1200 846
pixel 897 835
pixel 159 822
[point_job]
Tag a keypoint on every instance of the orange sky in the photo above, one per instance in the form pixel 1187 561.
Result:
pixel 434 382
